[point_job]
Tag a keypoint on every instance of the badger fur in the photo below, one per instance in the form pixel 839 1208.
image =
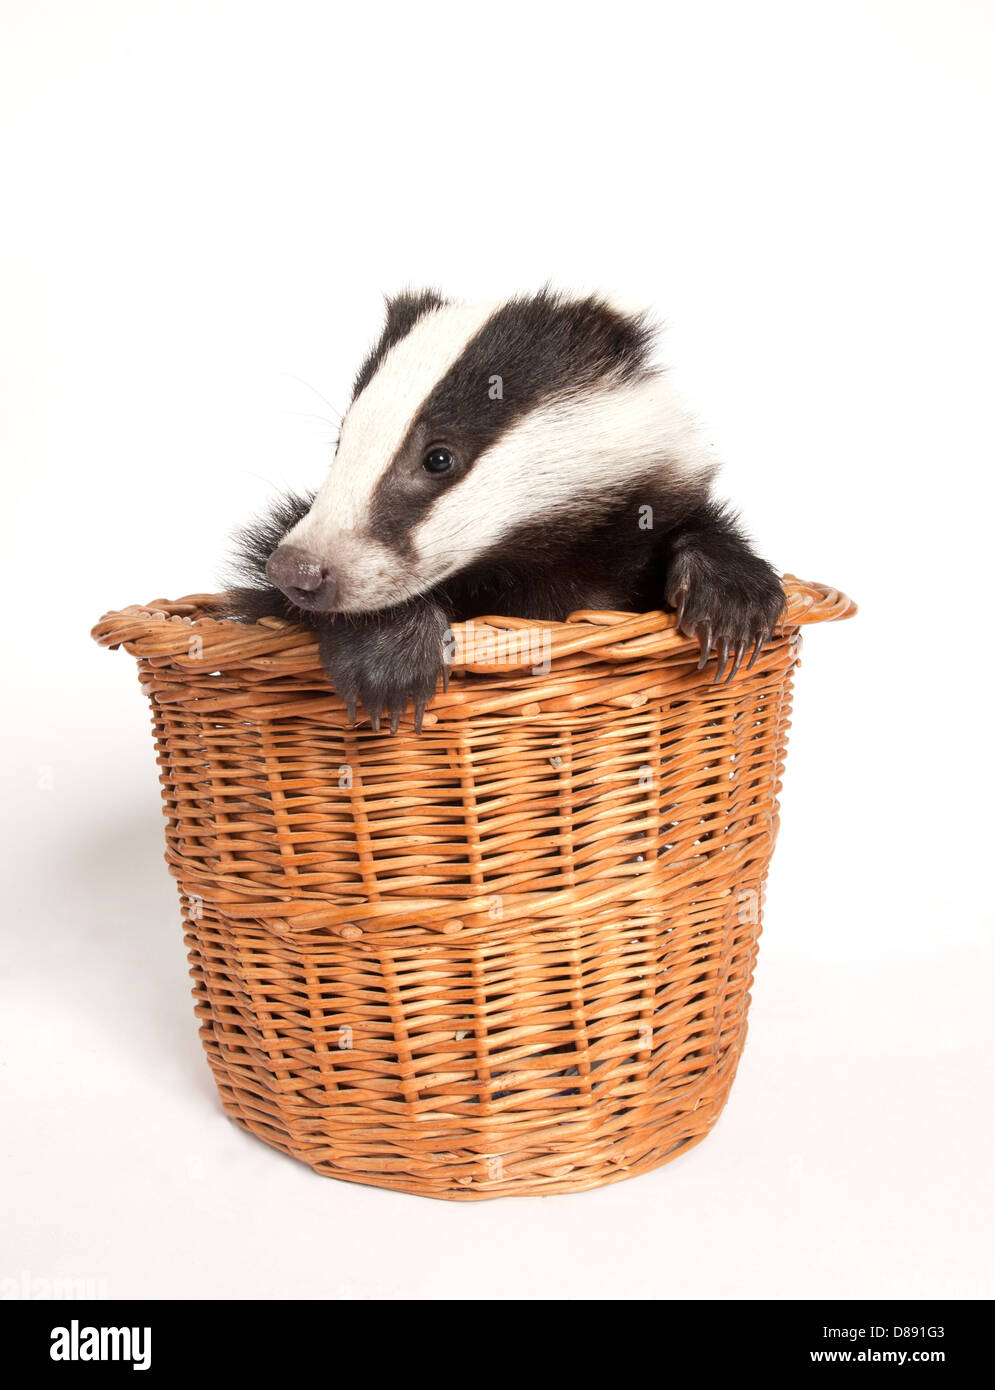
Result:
pixel 524 458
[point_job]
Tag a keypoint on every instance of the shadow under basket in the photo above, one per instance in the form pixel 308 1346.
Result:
pixel 509 955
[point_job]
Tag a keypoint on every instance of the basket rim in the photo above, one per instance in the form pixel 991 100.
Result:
pixel 162 628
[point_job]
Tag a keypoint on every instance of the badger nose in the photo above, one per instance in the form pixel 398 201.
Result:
pixel 290 568
pixel 301 576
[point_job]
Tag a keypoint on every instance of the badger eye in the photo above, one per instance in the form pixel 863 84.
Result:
pixel 438 461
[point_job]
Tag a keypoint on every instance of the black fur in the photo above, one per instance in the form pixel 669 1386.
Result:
pixel 252 596
pixel 726 597
pixel 365 654
pixel 694 558
pixel 540 346
pixel 723 594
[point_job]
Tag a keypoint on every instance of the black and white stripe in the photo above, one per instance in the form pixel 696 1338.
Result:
pixel 563 439
pixel 551 406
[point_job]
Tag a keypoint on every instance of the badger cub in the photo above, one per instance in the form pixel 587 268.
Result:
pixel 524 459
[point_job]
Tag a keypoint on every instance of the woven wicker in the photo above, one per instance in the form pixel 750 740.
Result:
pixel 509 955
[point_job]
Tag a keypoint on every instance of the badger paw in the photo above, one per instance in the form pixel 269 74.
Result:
pixel 383 661
pixel 726 605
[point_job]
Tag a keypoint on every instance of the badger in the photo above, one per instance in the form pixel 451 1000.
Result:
pixel 526 458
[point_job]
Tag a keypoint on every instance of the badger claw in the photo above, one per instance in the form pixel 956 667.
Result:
pixel 681 603
pixel 762 638
pixel 725 609
pixel 706 645
pixel 385 662
pixel 740 653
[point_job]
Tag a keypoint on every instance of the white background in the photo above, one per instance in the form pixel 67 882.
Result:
pixel 201 205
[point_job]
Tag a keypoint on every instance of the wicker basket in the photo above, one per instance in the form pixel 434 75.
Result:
pixel 509 955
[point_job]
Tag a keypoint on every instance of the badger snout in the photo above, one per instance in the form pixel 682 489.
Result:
pixel 307 581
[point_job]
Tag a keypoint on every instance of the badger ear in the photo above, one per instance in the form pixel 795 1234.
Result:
pixel 403 310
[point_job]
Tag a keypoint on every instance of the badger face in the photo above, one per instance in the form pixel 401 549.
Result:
pixel 471 422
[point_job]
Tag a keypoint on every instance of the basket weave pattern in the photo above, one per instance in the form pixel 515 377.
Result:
pixel 509 955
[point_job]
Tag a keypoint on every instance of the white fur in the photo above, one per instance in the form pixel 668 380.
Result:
pixel 372 433
pixel 568 455
pixel 564 457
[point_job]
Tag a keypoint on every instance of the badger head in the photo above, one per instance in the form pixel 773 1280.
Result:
pixel 470 423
